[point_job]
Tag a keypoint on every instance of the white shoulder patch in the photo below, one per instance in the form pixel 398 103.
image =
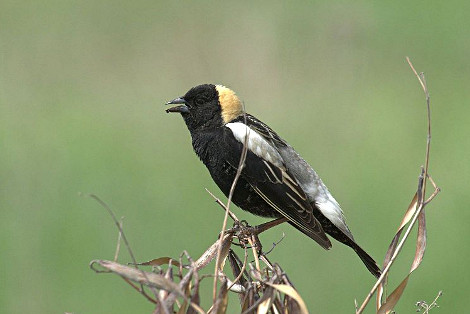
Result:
pixel 256 143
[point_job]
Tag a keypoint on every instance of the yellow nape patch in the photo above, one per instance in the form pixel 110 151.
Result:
pixel 230 103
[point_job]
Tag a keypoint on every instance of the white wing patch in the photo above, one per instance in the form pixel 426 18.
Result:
pixel 256 143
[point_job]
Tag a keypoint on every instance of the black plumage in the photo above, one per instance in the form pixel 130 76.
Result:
pixel 275 181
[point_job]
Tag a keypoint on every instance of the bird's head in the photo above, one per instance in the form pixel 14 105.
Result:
pixel 207 106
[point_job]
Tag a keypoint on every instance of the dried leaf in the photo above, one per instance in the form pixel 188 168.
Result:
pixel 137 275
pixel 408 215
pixel 393 245
pixel 256 300
pixel 409 212
pixel 291 292
pixel 420 241
pixel 236 264
pixel 395 296
pixel 195 298
pixel 187 293
pixel 160 261
pixel 279 307
pixel 224 253
pixel 221 302
pixel 250 297
pixel 182 286
pixel 264 306
pixel 168 275
pixel 211 252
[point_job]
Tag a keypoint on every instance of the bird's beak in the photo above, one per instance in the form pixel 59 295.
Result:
pixel 182 108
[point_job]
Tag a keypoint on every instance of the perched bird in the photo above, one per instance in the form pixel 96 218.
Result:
pixel 275 181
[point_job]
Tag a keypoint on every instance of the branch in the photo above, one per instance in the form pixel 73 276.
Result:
pixel 416 210
pixel 227 207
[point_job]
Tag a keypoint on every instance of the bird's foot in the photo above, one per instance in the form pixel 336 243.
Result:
pixel 248 235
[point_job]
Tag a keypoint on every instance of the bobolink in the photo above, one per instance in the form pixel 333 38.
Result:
pixel 275 181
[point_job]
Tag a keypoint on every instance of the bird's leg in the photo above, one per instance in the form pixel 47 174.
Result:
pixel 268 225
pixel 246 231
pixel 238 225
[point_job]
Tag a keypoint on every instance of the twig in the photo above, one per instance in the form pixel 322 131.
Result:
pixel 116 254
pixel 139 289
pixel 422 81
pixel 218 201
pixel 255 253
pixel 275 244
pixel 268 263
pixel 428 307
pixel 118 245
pixel 124 238
pixel 241 271
pixel 232 189
pixel 436 190
pixel 387 268
pixel 421 194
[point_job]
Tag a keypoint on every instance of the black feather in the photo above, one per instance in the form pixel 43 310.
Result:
pixel 265 188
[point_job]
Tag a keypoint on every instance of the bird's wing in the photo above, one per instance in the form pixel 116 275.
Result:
pixel 312 185
pixel 266 172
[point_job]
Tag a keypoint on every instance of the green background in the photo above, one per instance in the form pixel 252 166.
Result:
pixel 82 92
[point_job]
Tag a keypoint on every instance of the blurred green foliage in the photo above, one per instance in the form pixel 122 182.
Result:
pixel 82 88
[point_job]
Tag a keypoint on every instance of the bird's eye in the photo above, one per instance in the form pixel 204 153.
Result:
pixel 199 101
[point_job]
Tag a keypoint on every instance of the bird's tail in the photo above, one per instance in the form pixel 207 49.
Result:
pixel 367 260
pixel 348 240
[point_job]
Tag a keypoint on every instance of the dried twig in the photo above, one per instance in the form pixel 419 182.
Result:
pixel 265 288
pixel 422 305
pixel 124 238
pixel 416 209
pixel 118 245
pixel 227 207
pixel 224 207
pixel 239 276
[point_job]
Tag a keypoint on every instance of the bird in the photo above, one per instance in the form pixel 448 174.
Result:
pixel 275 180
